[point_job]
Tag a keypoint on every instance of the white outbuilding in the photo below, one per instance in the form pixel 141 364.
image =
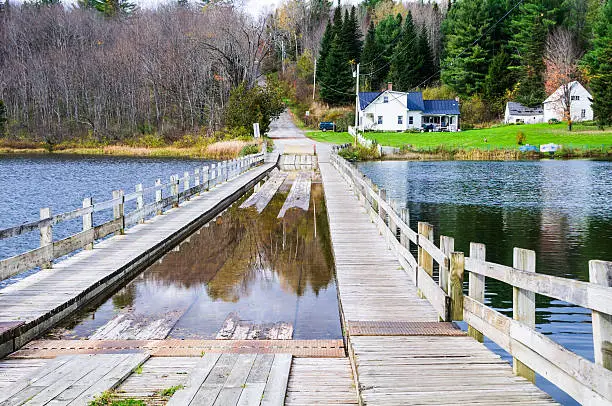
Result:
pixel 573 94
pixel 516 113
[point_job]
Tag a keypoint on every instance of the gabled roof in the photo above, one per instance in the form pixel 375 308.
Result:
pixel 365 98
pixel 441 107
pixel 517 109
pixel 573 86
pixel 415 101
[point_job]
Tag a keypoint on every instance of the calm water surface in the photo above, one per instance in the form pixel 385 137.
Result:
pixel 61 182
pixel 256 270
pixel 560 209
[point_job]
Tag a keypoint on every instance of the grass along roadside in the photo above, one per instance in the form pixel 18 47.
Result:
pixel 330 137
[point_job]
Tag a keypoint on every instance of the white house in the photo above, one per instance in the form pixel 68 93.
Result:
pixel 399 111
pixel 517 113
pixel 579 101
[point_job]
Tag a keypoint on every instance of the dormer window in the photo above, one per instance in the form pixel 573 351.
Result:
pixel 386 99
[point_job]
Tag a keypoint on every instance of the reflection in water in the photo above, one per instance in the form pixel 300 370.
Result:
pixel 260 268
pixel 559 209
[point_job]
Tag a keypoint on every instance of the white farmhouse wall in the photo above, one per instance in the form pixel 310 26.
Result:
pixel 417 119
pixel 554 109
pixel 390 111
pixel 509 119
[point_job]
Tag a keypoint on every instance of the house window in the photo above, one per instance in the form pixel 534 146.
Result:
pixel 451 120
pixel 583 113
pixel 386 99
pixel 410 120
pixel 575 98
pixel 400 119
pixel 379 119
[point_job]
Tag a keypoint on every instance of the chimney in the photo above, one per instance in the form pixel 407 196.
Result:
pixel 390 86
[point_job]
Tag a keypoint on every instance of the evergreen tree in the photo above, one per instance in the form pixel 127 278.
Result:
pixel 529 28
pixel 498 81
pixel 427 72
pixel 326 42
pixel 337 89
pixel 598 64
pixel 406 63
pixel 352 35
pixel 465 64
pixel 337 22
pixel 371 61
pixel 388 32
pixel 346 34
pixel 3 118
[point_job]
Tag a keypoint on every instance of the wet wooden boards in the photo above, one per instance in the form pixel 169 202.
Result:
pixel 299 195
pixel 263 196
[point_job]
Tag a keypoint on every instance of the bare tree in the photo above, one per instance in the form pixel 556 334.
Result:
pixel 561 59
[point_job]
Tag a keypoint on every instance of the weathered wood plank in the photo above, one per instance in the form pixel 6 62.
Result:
pixel 197 376
pixel 276 387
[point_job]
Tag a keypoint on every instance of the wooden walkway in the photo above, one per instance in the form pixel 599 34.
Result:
pixel 402 367
pixel 36 303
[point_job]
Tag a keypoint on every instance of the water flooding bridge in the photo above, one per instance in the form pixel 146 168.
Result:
pixel 399 296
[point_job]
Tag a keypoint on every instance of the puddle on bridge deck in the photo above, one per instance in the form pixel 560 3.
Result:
pixel 244 275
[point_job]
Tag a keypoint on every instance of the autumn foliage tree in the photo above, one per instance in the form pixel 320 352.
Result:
pixel 561 60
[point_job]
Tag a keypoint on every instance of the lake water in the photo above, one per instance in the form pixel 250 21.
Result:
pixel 61 182
pixel 256 273
pixel 560 209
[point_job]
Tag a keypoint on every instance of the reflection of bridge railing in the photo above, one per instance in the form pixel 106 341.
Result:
pixel 201 180
pixel 585 381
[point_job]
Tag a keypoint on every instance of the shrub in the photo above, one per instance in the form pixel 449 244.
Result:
pixel 359 153
pixel 249 150
pixel 521 138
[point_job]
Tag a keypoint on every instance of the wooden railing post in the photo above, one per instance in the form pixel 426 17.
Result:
pixel 382 195
pixel 392 225
pixel 186 184
pixel 523 305
pixel 174 190
pixel 447 246
pixel 405 216
pixel 140 202
pixel 46 235
pixel 118 210
pixel 158 195
pixel 457 267
pixel 424 260
pixel 476 287
pixel 88 220
pixel 600 273
pixel 213 176
pixel 196 179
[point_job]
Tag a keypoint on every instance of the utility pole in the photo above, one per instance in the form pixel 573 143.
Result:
pixel 357 105
pixel 314 80
pixel 283 55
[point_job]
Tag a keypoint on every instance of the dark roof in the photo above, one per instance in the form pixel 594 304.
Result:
pixel 441 107
pixel 415 101
pixel 517 109
pixel 365 98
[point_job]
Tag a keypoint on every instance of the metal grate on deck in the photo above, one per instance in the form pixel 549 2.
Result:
pixel 403 328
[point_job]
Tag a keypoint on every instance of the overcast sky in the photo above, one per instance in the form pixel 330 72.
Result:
pixel 255 7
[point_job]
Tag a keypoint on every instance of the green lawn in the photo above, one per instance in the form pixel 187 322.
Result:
pixel 330 137
pixel 499 137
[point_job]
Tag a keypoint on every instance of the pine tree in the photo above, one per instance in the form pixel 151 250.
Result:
pixel 371 61
pixel 353 36
pixel 406 61
pixel 498 81
pixel 529 29
pixel 598 64
pixel 388 33
pixel 465 64
pixel 337 22
pixel 337 89
pixel 326 42
pixel 346 34
pixel 427 71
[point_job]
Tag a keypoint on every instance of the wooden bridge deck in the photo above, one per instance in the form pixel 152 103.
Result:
pixel 32 305
pixel 402 368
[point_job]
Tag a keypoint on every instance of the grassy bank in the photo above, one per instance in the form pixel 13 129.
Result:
pixel 213 150
pixel 330 137
pixel 502 137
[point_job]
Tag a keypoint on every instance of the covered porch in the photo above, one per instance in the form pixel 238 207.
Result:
pixel 441 122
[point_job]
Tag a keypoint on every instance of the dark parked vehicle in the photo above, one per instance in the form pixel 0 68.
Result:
pixel 428 127
pixel 327 125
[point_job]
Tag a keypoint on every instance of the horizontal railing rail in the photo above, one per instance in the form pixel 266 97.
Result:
pixel 200 180
pixel 587 382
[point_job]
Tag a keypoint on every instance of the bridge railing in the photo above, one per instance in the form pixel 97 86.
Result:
pixel 587 382
pixel 167 195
